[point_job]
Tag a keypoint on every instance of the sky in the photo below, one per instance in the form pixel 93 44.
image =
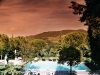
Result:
pixel 31 17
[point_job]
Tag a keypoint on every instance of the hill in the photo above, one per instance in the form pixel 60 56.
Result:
pixel 52 35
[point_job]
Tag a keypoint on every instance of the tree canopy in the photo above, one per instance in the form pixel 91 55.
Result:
pixel 69 55
pixel 78 39
pixel 10 69
pixel 90 14
pixel 28 49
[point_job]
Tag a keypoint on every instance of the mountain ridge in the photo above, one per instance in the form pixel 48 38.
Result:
pixel 53 33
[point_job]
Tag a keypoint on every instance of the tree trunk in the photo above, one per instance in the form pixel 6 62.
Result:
pixel 1 56
pixel 70 70
pixel 12 73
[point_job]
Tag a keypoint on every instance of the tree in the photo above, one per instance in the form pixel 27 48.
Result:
pixel 10 69
pixel 27 52
pixel 1 49
pixel 79 40
pixel 23 48
pixel 13 46
pixel 91 16
pixel 4 44
pixel 52 49
pixel 70 55
pixel 39 46
pixel 76 37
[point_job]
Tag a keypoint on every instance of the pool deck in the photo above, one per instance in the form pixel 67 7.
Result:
pixel 64 73
pixel 15 62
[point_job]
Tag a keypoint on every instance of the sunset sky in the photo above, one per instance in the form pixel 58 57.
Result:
pixel 30 17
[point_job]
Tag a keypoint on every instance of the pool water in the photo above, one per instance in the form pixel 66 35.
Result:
pixel 50 65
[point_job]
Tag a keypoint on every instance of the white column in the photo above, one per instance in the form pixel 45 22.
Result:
pixel 6 59
pixel 15 55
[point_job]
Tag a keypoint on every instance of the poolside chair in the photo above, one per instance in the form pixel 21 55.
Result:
pixel 54 59
pixel 43 59
pixel 36 58
pixel 27 72
pixel 48 74
pixel 31 73
pixel 1 63
pixel 50 59
pixel 38 74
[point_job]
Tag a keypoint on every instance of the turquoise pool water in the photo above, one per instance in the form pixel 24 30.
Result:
pixel 50 65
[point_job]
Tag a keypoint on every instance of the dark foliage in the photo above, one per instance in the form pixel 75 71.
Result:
pixel 91 17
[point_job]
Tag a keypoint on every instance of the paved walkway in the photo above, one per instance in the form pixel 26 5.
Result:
pixel 63 73
pixel 15 62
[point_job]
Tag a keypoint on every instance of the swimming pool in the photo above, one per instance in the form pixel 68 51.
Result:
pixel 50 65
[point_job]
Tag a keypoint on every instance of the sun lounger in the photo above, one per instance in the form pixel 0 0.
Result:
pixel 54 59
pixel 43 59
